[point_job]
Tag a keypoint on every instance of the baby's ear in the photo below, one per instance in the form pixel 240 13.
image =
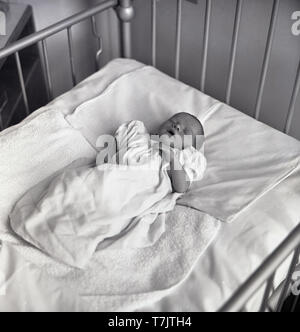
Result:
pixel 200 140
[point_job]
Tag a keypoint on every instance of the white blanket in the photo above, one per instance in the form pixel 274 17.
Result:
pixel 116 279
pixel 83 207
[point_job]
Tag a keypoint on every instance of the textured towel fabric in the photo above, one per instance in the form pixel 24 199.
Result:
pixel 32 152
pixel 116 279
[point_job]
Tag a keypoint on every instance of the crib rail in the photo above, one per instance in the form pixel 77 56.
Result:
pixel 125 13
pixel 265 274
pixel 233 52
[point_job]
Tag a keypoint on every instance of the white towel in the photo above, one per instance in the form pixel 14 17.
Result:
pixel 116 279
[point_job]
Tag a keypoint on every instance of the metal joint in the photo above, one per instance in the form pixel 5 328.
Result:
pixel 125 10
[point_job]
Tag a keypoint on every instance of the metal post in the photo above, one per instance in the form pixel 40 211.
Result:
pixel 154 32
pixel 47 70
pixel 205 44
pixel 178 38
pixel 22 82
pixel 267 56
pixel 292 107
pixel 237 21
pixel 125 13
pixel 99 41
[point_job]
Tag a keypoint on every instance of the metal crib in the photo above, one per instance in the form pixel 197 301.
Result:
pixel 264 276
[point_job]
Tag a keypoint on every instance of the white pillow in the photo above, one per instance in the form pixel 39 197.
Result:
pixel 32 152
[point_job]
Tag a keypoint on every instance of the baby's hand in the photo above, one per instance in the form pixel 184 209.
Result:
pixel 167 153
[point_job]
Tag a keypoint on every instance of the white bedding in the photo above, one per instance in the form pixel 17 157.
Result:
pixel 247 242
pixel 240 247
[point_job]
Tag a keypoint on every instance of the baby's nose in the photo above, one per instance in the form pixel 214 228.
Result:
pixel 176 127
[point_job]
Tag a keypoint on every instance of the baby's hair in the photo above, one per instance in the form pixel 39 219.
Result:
pixel 199 124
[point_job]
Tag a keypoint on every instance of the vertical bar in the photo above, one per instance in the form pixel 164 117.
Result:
pixel 178 38
pixel 71 55
pixel 100 42
pixel 294 304
pixel 237 21
pixel 47 70
pixel 292 106
pixel 267 293
pixel 267 56
pixel 126 13
pixel 288 279
pixel 22 82
pixel 154 32
pixel 205 44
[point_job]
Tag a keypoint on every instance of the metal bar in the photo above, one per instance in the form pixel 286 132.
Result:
pixel 71 55
pixel 178 38
pixel 267 293
pixel 47 70
pixel 249 288
pixel 292 105
pixel 267 56
pixel 53 29
pixel 294 304
pixel 288 279
pixel 22 82
pixel 100 42
pixel 205 44
pixel 237 21
pixel 154 32
pixel 126 13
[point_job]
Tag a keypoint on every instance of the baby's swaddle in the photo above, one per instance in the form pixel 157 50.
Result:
pixel 89 207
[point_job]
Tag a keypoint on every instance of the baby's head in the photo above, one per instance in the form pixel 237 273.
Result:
pixel 183 130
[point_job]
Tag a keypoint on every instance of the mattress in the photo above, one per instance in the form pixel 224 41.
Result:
pixel 240 247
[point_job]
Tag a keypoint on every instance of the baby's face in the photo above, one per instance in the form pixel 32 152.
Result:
pixel 181 131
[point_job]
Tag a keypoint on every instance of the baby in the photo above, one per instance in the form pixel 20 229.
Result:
pixel 184 134
pixel 179 143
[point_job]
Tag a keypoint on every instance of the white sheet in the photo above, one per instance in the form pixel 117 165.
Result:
pixel 244 241
pixel 238 251
pixel 247 242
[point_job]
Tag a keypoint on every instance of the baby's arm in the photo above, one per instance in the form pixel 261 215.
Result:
pixel 177 174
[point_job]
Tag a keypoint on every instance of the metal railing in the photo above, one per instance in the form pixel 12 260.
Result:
pixel 125 12
pixel 266 274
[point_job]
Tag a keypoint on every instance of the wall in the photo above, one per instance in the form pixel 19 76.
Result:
pixel 251 45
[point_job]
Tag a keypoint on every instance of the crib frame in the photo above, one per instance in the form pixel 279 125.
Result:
pixel 264 275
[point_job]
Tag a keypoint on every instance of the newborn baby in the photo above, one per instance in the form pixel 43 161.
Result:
pixel 179 143
pixel 184 133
